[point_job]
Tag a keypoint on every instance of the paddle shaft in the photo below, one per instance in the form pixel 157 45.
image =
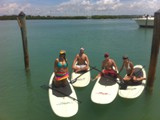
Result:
pixel 137 73
pixel 75 79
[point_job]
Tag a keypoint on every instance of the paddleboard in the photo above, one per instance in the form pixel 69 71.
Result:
pixel 134 90
pixel 81 81
pixel 61 100
pixel 104 91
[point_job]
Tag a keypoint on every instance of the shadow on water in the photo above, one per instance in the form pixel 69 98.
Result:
pixel 28 80
pixel 30 96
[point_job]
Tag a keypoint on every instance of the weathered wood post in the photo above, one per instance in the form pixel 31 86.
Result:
pixel 22 24
pixel 154 51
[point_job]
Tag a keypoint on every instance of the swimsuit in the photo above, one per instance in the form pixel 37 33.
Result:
pixel 81 66
pixel 60 65
pixel 61 75
pixel 128 68
pixel 109 72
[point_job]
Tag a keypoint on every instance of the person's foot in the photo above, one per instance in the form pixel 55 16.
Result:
pixel 94 79
pixel 78 70
pixel 140 79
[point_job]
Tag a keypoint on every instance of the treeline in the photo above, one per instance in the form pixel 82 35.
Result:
pixel 38 17
pixel 8 17
pixel 115 16
pixel 55 17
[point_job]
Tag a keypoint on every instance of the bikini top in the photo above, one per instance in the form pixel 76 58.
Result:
pixel 128 67
pixel 60 65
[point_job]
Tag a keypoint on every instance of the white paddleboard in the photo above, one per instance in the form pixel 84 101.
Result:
pixel 133 91
pixel 104 91
pixel 61 104
pixel 81 81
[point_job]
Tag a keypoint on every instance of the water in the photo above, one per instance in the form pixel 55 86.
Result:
pixel 22 98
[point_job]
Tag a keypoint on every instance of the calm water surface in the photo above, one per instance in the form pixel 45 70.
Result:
pixel 22 98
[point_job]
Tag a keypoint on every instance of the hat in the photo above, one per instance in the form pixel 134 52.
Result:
pixel 125 57
pixel 82 48
pixel 62 52
pixel 106 55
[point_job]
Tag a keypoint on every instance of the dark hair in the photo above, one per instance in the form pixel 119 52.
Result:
pixel 125 57
pixel 106 55
pixel 64 57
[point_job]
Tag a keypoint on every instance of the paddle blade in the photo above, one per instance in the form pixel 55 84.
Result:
pixel 46 87
pixel 122 86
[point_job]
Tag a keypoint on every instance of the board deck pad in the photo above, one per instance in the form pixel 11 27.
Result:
pixel 106 81
pixel 61 91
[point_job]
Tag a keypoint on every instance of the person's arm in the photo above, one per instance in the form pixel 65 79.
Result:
pixel 74 61
pixel 55 65
pixel 67 67
pixel 121 67
pixel 114 64
pixel 132 69
pixel 87 60
pixel 102 65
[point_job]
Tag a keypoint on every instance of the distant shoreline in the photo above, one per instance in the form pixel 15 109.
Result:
pixel 38 17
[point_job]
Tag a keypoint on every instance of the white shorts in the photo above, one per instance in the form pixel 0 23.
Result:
pixel 81 66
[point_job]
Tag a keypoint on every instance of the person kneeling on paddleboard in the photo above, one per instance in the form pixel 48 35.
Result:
pixel 61 70
pixel 129 67
pixel 81 62
pixel 109 67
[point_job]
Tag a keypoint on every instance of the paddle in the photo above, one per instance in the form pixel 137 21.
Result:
pixel 137 73
pixel 49 87
pixel 122 85
pixel 75 79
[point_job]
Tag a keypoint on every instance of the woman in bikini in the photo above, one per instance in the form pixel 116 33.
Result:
pixel 61 70
pixel 129 67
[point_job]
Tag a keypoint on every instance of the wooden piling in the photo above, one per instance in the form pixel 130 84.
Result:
pixel 22 24
pixel 154 51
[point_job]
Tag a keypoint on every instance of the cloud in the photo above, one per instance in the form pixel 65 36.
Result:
pixel 147 4
pixel 87 6
pixel 104 7
pixel 107 5
pixel 82 7
pixel 13 8
pixel 144 6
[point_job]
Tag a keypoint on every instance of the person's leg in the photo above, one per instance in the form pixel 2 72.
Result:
pixel 138 78
pixel 64 82
pixel 81 68
pixel 127 78
pixel 56 83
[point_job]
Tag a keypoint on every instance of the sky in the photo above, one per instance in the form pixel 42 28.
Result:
pixel 79 7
